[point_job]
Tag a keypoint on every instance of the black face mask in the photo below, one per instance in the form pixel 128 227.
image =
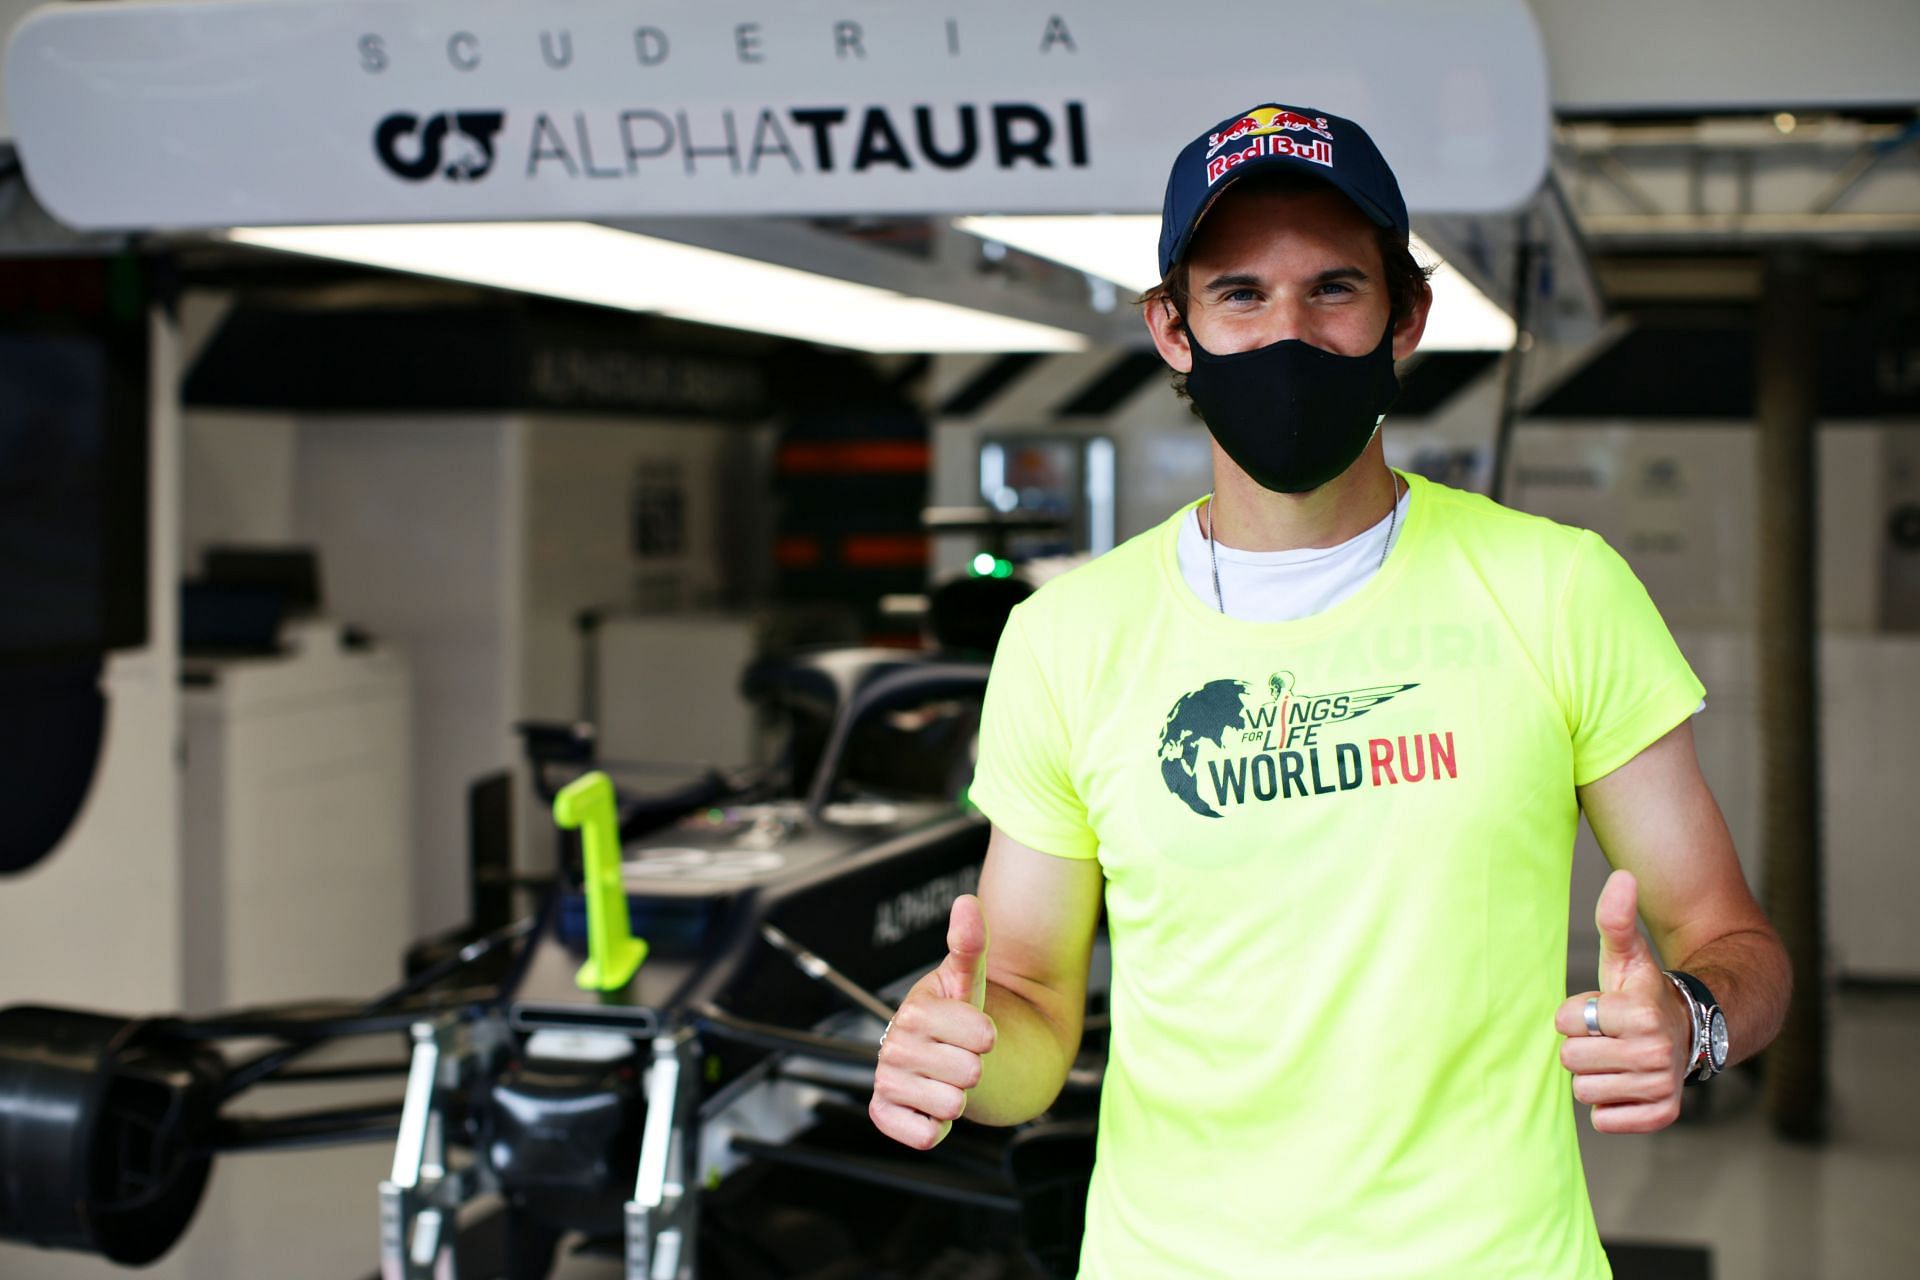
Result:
pixel 1291 415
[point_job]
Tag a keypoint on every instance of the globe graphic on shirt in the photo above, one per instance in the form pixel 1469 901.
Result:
pixel 1208 714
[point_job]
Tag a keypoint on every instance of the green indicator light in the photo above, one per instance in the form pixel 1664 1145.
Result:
pixel 984 565
pixel 1003 568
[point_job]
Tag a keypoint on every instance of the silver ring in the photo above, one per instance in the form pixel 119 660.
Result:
pixel 1593 1016
pixel 883 1037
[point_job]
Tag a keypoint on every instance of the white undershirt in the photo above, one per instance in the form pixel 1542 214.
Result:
pixel 1281 586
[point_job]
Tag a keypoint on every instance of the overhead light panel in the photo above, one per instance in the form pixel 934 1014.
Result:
pixel 1125 248
pixel 1121 247
pixel 587 262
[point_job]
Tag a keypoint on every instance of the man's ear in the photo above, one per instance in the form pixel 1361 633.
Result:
pixel 1169 335
pixel 1408 329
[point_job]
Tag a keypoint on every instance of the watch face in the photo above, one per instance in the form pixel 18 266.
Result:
pixel 1717 1040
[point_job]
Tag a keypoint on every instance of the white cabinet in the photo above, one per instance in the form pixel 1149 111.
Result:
pixel 669 689
pixel 297 824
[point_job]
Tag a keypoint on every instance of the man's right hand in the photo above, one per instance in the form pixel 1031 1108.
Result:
pixel 930 1056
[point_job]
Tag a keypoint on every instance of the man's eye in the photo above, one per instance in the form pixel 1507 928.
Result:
pixel 1237 295
pixel 1335 286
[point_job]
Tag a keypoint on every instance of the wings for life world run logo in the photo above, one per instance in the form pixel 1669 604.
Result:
pixel 456 145
pixel 1267 747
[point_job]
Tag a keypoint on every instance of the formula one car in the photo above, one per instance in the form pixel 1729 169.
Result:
pixel 670 1059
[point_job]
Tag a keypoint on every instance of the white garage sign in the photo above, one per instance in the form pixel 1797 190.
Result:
pixel 300 111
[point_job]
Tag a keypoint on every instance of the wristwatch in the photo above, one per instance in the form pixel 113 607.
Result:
pixel 1709 1028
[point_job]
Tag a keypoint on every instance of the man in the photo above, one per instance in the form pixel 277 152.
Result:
pixel 1321 742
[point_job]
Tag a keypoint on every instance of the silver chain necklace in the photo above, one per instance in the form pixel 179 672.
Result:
pixel 1213 556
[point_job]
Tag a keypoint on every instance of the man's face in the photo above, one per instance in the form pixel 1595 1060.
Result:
pixel 1268 266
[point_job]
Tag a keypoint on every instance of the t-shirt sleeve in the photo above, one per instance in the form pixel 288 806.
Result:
pixel 1022 781
pixel 1620 677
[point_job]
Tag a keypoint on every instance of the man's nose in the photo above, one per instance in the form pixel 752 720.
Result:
pixel 1286 319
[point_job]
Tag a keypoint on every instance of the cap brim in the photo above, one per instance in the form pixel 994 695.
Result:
pixel 1272 164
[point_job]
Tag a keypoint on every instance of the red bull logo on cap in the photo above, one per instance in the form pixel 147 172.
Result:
pixel 1279 144
pixel 1263 121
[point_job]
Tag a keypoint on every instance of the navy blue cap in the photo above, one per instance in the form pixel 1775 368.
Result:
pixel 1265 139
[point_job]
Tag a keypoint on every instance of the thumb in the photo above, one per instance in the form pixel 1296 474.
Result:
pixel 964 975
pixel 1617 916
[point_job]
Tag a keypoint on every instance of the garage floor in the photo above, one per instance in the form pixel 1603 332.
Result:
pixel 1770 1210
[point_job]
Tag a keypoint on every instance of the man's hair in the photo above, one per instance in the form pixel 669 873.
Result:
pixel 1406 278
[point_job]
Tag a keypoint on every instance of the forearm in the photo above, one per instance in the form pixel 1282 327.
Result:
pixel 1027 1066
pixel 1750 976
pixel 1656 817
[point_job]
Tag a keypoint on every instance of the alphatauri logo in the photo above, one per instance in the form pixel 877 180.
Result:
pixel 456 145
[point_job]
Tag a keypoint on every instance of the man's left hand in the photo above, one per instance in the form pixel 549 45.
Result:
pixel 1631 1073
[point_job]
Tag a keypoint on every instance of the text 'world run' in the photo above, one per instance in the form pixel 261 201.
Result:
pixel 1317 771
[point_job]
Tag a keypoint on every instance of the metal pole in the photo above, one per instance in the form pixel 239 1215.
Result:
pixel 587 624
pixel 1522 339
pixel 1785 402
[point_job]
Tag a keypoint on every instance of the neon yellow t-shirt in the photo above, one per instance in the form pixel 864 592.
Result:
pixel 1337 854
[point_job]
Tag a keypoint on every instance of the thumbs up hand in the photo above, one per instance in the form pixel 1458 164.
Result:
pixel 1632 1071
pixel 963 974
pixel 930 1056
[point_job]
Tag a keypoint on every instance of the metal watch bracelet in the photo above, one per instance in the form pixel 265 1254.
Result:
pixel 1699 1068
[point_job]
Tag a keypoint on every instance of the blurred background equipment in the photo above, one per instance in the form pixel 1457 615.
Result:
pixel 73 526
pixel 730 1056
